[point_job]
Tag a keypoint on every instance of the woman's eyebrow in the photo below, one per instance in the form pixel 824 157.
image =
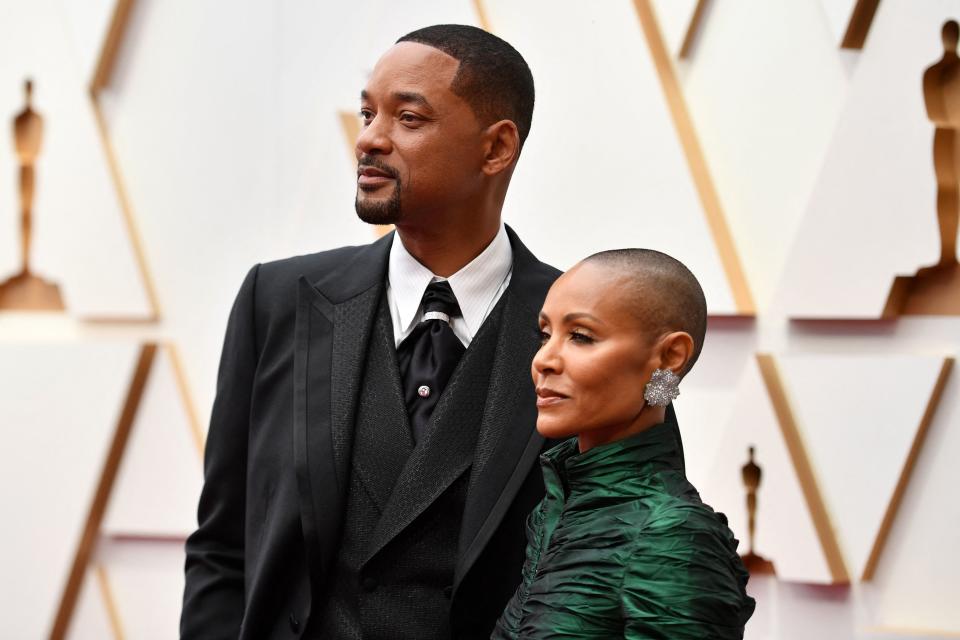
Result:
pixel 579 315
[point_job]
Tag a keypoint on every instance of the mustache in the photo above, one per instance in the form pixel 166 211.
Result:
pixel 375 163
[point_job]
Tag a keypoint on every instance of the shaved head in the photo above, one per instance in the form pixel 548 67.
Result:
pixel 662 293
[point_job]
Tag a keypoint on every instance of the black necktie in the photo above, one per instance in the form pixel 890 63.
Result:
pixel 428 356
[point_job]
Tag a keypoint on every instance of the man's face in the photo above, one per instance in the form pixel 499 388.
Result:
pixel 419 154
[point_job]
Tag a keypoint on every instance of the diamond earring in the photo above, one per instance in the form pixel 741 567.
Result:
pixel 662 389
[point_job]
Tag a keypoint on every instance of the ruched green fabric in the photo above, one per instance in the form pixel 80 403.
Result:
pixel 622 547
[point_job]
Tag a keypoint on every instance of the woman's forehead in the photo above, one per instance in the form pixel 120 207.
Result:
pixel 589 288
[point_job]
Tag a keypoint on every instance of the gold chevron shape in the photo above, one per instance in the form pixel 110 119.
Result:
pixel 804 470
pixel 680 30
pixel 861 19
pixel 101 79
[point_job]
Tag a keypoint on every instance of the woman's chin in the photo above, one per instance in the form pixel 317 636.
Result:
pixel 554 429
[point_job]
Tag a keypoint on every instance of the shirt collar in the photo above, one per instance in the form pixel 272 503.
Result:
pixel 474 285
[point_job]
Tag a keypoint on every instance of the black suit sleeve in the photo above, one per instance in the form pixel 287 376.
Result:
pixel 213 600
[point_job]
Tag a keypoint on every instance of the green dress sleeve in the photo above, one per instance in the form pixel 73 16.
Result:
pixel 684 579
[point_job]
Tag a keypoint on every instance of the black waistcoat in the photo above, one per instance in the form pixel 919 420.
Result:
pixel 398 548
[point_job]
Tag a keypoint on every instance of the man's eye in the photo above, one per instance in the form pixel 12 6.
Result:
pixel 408 117
pixel 366 115
pixel 581 338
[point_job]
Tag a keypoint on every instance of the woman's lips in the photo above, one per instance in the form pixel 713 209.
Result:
pixel 549 397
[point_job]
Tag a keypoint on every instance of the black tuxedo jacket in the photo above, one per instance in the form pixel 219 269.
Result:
pixel 279 445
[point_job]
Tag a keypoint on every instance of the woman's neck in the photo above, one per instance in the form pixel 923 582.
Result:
pixel 648 417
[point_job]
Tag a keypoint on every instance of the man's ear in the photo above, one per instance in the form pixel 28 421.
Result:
pixel 501 147
pixel 676 349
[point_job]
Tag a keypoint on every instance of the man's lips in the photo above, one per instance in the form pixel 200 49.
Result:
pixel 547 397
pixel 372 177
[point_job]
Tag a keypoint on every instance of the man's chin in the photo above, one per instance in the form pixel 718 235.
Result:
pixel 377 211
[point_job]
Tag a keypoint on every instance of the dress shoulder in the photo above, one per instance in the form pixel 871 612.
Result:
pixel 683 577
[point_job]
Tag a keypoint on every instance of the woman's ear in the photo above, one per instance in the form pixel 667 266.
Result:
pixel 501 146
pixel 676 349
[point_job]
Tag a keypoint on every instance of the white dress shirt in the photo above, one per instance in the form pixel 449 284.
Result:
pixel 477 286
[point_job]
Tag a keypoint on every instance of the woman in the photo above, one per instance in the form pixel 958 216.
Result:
pixel 621 545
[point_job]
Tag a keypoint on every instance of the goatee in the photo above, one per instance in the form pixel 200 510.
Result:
pixel 379 211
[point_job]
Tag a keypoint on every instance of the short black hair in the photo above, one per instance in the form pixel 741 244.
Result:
pixel 665 294
pixel 492 77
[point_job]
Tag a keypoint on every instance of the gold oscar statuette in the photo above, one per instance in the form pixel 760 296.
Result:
pixel 26 291
pixel 752 473
pixel 935 290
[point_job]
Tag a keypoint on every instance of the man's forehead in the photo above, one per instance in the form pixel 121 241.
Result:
pixel 413 63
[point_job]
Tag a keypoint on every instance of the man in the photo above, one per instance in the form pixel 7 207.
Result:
pixel 371 455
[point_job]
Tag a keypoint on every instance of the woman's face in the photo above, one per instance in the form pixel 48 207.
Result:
pixel 595 360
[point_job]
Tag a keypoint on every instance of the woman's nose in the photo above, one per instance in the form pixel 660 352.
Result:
pixel 547 359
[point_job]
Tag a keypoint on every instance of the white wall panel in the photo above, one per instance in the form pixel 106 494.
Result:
pixel 158 483
pixel 872 213
pixel 88 22
pixel 838 14
pixel 858 416
pixel 916 582
pixel 146 580
pixel 675 17
pixel 59 404
pixel 92 618
pixel 603 167
pixel 785 532
pixel 765 86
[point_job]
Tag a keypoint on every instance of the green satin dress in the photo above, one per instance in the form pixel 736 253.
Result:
pixel 622 547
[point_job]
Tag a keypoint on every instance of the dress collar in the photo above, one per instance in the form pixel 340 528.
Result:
pixel 474 285
pixel 611 468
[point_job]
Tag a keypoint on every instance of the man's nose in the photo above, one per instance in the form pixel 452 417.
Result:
pixel 374 138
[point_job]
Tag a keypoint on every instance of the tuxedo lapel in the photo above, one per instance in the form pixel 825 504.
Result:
pixel 351 335
pixel 382 428
pixel 508 444
pixel 332 327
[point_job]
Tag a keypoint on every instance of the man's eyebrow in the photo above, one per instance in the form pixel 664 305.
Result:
pixel 412 97
pixel 409 97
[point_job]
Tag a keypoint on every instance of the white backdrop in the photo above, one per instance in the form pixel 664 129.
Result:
pixel 225 124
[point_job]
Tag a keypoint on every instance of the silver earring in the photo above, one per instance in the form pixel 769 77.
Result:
pixel 663 388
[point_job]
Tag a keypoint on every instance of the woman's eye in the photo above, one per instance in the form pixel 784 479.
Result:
pixel 582 338
pixel 544 336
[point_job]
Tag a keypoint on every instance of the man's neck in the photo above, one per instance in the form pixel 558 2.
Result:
pixel 446 251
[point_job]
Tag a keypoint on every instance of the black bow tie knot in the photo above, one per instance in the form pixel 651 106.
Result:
pixel 439 298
